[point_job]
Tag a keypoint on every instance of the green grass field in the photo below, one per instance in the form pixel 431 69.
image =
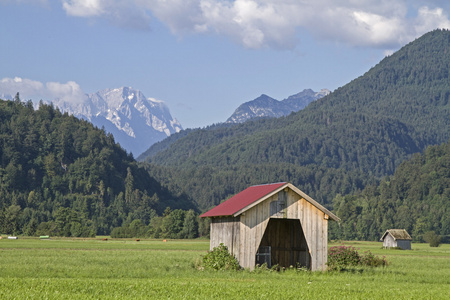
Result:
pixel 153 269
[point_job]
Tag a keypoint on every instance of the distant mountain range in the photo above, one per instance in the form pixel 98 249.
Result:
pixel 138 122
pixel 265 106
pixel 135 121
pixel 261 107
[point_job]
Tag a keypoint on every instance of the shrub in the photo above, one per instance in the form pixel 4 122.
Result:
pixel 432 238
pixel 342 257
pixel 122 232
pixel 370 260
pixel 220 259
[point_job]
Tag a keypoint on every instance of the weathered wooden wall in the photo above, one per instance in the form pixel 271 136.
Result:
pixel 389 241
pixel 225 230
pixel 404 244
pixel 254 223
pixel 315 228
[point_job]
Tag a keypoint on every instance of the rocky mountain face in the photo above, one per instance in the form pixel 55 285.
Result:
pixel 265 106
pixel 135 121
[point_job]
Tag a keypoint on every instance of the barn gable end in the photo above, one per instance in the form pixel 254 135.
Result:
pixel 299 236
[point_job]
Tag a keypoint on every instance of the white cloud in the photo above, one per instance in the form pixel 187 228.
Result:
pixel 251 23
pixel 30 89
pixel 10 86
pixel 431 18
pixel 388 52
pixel 68 92
pixel 84 8
pixel 278 23
pixel 124 13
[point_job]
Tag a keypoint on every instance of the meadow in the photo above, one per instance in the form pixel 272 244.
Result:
pixel 152 269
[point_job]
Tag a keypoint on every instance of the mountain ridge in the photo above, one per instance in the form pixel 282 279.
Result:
pixel 267 107
pixel 262 103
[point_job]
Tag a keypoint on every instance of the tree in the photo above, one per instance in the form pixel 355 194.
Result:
pixel 432 238
pixel 50 165
pixel 17 98
pixel 31 228
pixel 155 227
pixel 129 186
pixel 76 229
pixel 190 225
pixel 137 228
pixel 166 227
pixel 11 219
pixel 62 221
pixel 203 227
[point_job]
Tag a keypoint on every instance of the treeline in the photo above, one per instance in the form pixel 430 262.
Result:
pixel 173 224
pixel 61 175
pixel 415 198
pixel 210 185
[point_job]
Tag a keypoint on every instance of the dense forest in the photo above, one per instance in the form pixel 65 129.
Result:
pixel 339 144
pixel 416 198
pixel 62 176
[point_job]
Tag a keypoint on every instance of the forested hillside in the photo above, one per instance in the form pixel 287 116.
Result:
pixel 416 198
pixel 60 175
pixel 339 144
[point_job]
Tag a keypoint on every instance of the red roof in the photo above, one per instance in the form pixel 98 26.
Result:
pixel 242 200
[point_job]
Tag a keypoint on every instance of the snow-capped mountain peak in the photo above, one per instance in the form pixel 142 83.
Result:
pixel 135 121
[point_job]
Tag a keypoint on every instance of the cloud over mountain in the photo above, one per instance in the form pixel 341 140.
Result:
pixel 278 23
pixel 27 88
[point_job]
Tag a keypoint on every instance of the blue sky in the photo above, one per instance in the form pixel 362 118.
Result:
pixel 203 58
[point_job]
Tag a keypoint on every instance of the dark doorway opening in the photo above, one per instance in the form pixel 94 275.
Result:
pixel 284 244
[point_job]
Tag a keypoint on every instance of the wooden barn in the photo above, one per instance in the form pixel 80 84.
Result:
pixel 396 238
pixel 272 223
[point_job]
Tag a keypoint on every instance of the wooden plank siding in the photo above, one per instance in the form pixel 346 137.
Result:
pixel 253 226
pixel 315 228
pixel 225 230
pixel 244 233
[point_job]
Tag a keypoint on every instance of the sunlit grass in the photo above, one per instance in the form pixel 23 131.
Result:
pixel 126 269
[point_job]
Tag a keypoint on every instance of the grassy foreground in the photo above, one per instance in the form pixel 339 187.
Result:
pixel 153 269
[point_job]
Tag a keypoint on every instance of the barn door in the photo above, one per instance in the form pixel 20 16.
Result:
pixel 287 244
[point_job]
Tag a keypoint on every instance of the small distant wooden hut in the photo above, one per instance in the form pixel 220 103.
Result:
pixel 396 238
pixel 274 224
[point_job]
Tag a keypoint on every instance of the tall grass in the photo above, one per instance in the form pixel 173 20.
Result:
pixel 152 269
